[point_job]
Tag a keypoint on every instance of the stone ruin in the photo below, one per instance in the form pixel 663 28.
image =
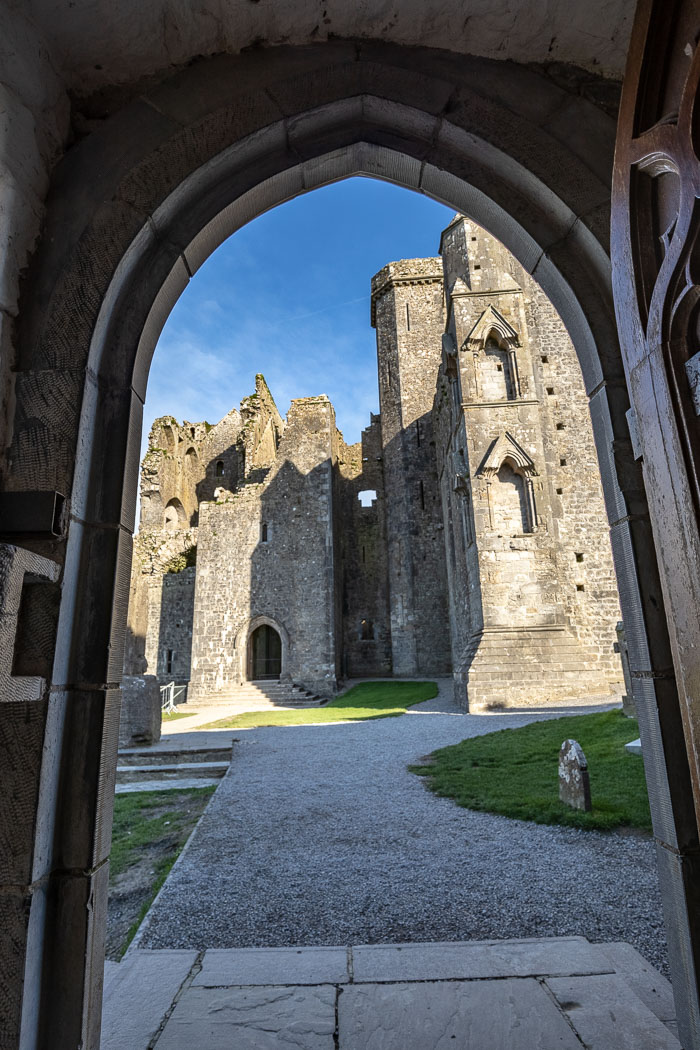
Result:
pixel 465 534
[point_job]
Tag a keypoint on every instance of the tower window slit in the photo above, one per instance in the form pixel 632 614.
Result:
pixel 422 494
pixel 408 318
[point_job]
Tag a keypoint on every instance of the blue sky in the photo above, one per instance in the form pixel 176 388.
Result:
pixel 288 296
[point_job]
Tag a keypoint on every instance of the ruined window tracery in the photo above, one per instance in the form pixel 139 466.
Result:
pixel 174 515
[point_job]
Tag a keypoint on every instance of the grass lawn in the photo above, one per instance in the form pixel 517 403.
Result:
pixel 514 772
pixel 150 828
pixel 366 700
pixel 170 716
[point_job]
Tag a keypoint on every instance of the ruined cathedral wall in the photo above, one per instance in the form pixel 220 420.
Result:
pixel 518 568
pixel 588 589
pixel 511 398
pixel 363 607
pixel 171 472
pixel 155 549
pixel 170 599
pixel 454 476
pixel 266 553
pixel 220 457
pixel 262 428
pixel 408 314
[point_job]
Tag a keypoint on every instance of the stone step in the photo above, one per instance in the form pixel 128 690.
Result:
pixel 277 694
pixel 176 784
pixel 178 771
pixel 148 756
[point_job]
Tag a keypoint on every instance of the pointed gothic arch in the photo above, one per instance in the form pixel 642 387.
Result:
pixel 492 324
pixel 506 457
pixel 493 341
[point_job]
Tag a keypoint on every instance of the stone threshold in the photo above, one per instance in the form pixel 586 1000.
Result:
pixel 559 992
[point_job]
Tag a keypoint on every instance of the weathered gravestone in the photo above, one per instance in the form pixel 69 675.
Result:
pixel 574 785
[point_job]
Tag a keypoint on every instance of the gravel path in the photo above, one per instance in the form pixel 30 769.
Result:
pixel 319 835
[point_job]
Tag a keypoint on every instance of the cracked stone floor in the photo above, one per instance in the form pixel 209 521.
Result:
pixel 559 992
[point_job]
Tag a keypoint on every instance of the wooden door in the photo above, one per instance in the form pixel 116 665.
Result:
pixel 656 270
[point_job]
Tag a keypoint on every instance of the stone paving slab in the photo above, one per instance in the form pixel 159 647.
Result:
pixel 251 966
pixel 607 1015
pixel 645 981
pixel 261 1018
pixel 138 993
pixel 452 1015
pixel 477 960
pixel 227 1007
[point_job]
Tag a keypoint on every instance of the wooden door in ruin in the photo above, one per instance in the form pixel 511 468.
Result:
pixel 265 658
pixel 656 282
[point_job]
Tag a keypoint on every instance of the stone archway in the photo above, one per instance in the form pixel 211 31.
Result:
pixel 138 206
pixel 264 654
pixel 244 646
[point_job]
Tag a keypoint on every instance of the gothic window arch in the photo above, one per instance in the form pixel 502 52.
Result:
pixel 509 472
pixel 494 344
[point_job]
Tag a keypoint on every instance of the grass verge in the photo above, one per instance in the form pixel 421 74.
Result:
pixel 363 701
pixel 171 716
pixel 149 831
pixel 514 772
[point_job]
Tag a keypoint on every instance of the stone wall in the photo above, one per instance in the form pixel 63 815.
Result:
pixel 170 600
pixel 361 527
pixel 533 602
pixel 464 533
pixel 408 314
pixel 266 554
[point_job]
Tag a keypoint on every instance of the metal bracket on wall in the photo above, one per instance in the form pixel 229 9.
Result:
pixel 39 515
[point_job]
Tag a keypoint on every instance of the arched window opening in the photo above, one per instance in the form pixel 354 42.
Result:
pixel 174 515
pixel 169 437
pixel 264 532
pixel 496 378
pixel 366 631
pixel 265 653
pixel 191 456
pixel 509 502
pixel 219 468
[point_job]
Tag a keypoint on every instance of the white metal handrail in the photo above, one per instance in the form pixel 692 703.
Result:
pixel 169 696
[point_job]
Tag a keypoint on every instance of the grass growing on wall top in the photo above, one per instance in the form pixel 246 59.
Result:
pixel 514 772
pixel 366 700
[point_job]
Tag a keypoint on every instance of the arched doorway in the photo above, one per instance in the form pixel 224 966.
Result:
pixel 476 134
pixel 264 653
